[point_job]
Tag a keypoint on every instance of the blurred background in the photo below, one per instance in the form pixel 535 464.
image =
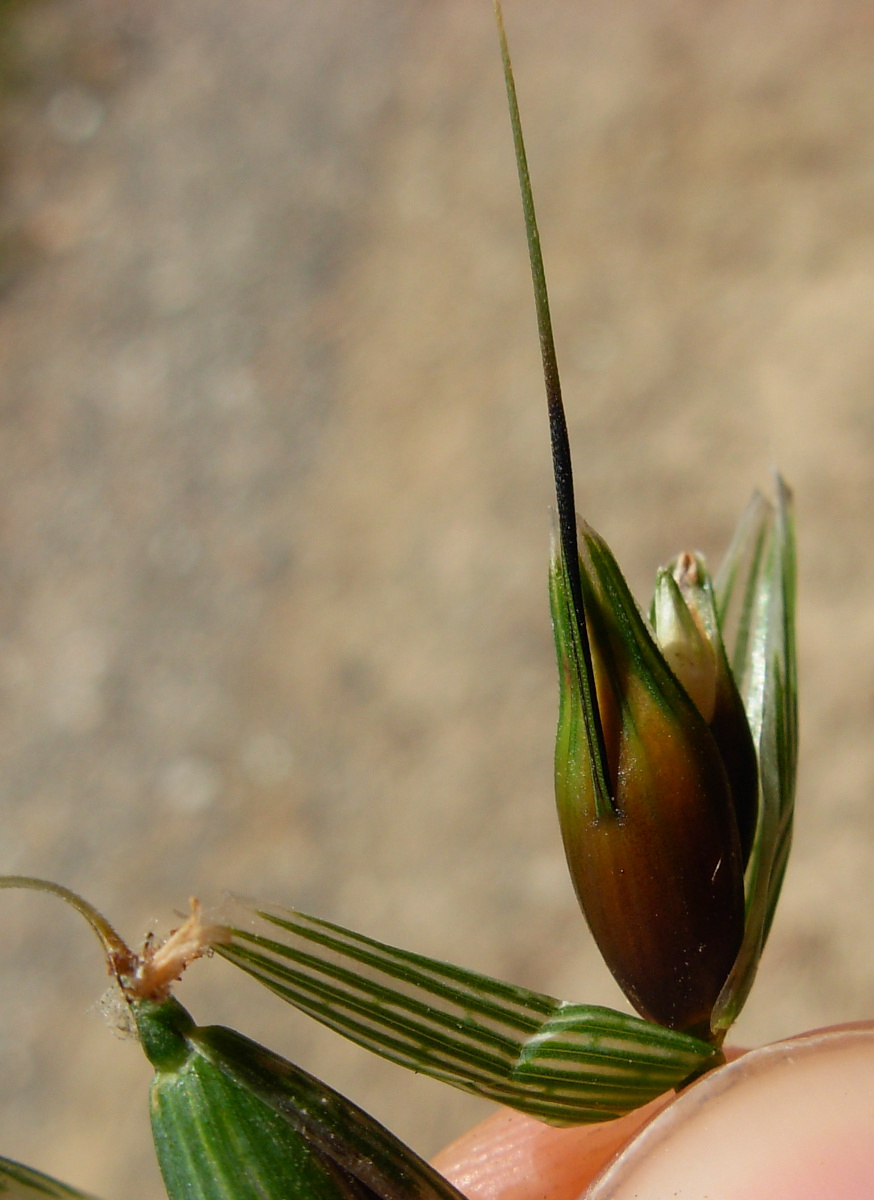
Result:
pixel 274 482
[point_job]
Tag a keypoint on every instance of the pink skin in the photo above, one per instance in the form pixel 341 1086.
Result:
pixel 513 1157
pixel 793 1120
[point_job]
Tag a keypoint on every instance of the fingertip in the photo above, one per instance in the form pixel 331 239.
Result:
pixel 510 1156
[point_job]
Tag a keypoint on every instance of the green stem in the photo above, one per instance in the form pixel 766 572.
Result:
pixel 120 959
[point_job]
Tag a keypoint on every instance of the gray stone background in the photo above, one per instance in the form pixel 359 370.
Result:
pixel 274 481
